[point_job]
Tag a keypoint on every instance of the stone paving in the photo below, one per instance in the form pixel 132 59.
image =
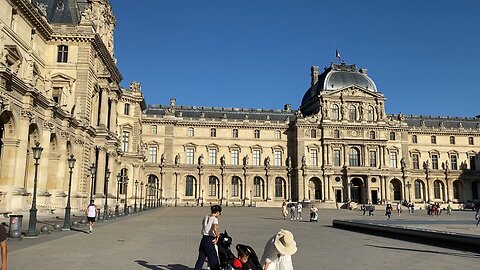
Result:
pixel 167 238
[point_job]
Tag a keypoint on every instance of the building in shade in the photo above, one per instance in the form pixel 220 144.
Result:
pixel 60 87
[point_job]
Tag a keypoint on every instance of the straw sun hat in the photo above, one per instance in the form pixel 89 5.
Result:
pixel 284 243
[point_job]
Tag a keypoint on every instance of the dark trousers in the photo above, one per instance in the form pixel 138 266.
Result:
pixel 207 250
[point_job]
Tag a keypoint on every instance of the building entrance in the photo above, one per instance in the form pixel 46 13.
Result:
pixel 375 196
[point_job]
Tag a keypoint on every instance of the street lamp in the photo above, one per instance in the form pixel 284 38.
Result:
pixel 93 170
pixel 125 209
pixel 32 224
pixel 141 196
pixel 201 204
pixel 409 186
pixel 66 220
pixel 105 207
pixel 146 196
pixel 135 204
pixel 251 198
pixel 156 194
pixel 119 182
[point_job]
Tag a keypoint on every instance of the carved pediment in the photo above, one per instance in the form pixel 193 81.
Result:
pixel 352 91
pixel 60 77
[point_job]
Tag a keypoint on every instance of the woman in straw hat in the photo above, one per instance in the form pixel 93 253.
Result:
pixel 278 251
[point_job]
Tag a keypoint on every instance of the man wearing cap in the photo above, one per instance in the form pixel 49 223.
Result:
pixel 278 251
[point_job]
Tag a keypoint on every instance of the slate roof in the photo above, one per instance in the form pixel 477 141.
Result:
pixel 221 112
pixel 442 121
pixel 64 11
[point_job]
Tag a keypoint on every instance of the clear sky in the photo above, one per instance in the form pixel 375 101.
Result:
pixel 424 56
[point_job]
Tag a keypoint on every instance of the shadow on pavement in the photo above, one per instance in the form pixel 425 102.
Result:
pixel 163 266
pixel 78 230
pixel 465 255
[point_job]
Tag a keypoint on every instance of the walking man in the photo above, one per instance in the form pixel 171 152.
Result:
pixel 91 214
pixel 3 246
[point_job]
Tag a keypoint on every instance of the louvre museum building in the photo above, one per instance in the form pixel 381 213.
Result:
pixel 67 127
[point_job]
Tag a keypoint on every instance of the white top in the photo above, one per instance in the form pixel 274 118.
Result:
pixel 299 207
pixel 207 225
pixel 91 211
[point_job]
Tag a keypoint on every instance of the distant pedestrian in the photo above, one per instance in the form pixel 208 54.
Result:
pixel 210 235
pixel 284 210
pixel 388 211
pixel 477 215
pixel 91 215
pixel 299 210
pixel 292 211
pixel 3 246
pixel 399 209
pixel 449 209
pixel 364 209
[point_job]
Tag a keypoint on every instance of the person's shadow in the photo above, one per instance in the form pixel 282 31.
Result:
pixel 163 266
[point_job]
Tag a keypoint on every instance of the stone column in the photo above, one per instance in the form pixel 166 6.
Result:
pixel 44 160
pixel 9 160
pixel 367 187
pixel 101 167
pixel 329 188
pixel 104 107
pixel 113 115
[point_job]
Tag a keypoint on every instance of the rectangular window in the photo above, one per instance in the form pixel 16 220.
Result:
pixel 393 159
pixel 256 157
pixel 62 54
pixel 212 156
pixel 314 157
pixel 336 157
pixel 152 153
pixel 257 134
pixel 373 159
pixel 125 141
pixel 277 158
pixel 453 161
pixel 435 162
pixel 235 187
pixel 126 109
pixel 57 94
pixel 235 157
pixel 415 161
pixel 190 156
pixel 154 129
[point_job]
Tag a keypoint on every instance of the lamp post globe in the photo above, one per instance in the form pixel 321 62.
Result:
pixel 66 221
pixel 32 224
pixel 105 207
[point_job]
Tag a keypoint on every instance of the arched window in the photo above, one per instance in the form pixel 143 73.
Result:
pixel 372 135
pixel 336 134
pixel 313 133
pixel 437 189
pixel 354 157
pixel 392 136
pixel 433 139
pixel 189 183
pixel 235 133
pixel 456 190
pixel 236 186
pixel 277 135
pixel 257 187
pixel 213 132
pixel 256 134
pixel 122 183
pixel 452 140
pixel 418 189
pixel 278 187
pixel 352 115
pixel 335 112
pixel 190 132
pixel 154 129
pixel 414 138
pixel 370 114
pixel 470 140
pixel 212 186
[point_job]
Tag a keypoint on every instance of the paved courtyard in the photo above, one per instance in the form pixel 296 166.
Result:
pixel 167 238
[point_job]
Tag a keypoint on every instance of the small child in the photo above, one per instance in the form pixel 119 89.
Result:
pixel 241 259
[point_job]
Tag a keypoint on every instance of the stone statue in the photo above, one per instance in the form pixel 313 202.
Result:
pixel 361 110
pixel 289 162
pixel 177 159
pixel 162 159
pixel 344 111
pixel 267 161
pixel 425 165
pixel 222 160
pixel 245 160
pixel 200 159
pixel 304 161
pixel 135 86
pixel 402 163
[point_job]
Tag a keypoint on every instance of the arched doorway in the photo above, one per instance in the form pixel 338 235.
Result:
pixel 258 187
pixel 356 190
pixel 315 189
pixel 152 191
pixel 419 188
pixel 213 187
pixel 237 187
pixel 190 186
pixel 438 190
pixel 458 190
pixel 396 189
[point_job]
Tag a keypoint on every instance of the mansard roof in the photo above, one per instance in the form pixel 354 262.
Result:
pixel 64 11
pixel 442 121
pixel 222 113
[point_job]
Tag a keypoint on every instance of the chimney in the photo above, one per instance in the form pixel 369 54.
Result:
pixel 314 75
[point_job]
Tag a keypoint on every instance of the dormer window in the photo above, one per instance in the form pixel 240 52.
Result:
pixel 62 54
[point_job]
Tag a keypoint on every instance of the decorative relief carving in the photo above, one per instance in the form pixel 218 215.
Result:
pixel 48 125
pixel 27 114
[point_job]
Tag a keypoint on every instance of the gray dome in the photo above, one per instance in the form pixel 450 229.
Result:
pixel 338 76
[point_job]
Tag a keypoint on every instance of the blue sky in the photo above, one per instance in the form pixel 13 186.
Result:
pixel 424 56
